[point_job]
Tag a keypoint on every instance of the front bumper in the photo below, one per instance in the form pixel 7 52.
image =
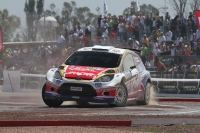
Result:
pixel 98 99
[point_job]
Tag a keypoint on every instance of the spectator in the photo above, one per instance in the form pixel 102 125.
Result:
pixel 147 23
pixel 187 51
pixel 198 35
pixel 168 35
pixel 112 36
pixel 173 50
pixel 157 51
pixel 192 39
pixel 60 40
pixel 144 50
pixel 161 40
pixel 179 39
pixel 130 30
pixel 130 43
pixel 88 31
pixel 135 44
pixel 160 66
pixel 198 49
pixel 141 27
pixel 145 40
pixel 120 28
pixel 152 59
pixel 115 29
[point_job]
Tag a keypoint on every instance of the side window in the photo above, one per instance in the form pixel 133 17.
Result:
pixel 128 62
pixel 136 60
pixel 139 63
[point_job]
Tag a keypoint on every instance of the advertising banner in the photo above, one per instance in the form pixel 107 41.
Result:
pixel 197 14
pixel 176 87
pixel 11 81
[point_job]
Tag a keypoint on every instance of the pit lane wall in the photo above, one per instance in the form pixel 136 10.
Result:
pixel 163 87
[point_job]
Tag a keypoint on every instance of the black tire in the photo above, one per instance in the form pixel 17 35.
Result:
pixel 81 103
pixel 50 102
pixel 121 96
pixel 147 95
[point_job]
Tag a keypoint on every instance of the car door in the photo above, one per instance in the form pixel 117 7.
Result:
pixel 130 74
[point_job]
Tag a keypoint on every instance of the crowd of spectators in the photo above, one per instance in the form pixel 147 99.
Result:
pixel 153 34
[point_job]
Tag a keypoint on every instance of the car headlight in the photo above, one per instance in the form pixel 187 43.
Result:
pixel 105 78
pixel 57 75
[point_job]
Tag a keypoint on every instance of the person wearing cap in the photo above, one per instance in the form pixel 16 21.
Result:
pixel 135 44
pixel 145 40
pixel 173 50
pixel 129 43
pixel 187 51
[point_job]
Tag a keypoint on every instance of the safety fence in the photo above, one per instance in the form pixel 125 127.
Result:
pixel 161 85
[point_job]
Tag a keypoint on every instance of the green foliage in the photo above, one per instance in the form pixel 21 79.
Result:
pixel 144 9
pixel 32 16
pixel 9 24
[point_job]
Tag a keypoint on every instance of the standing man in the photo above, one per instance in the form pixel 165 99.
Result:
pixel 60 41
pixel 144 50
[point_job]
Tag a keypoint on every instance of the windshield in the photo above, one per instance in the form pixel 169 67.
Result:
pixel 95 59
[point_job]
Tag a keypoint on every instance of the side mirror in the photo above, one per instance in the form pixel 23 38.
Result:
pixel 132 67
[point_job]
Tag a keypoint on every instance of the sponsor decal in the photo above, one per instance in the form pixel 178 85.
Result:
pixel 98 98
pixel 84 72
pixel 98 85
pixel 106 89
pixel 116 50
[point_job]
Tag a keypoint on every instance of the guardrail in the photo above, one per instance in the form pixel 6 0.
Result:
pixel 163 87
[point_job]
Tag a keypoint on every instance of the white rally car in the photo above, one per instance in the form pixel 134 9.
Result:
pixel 102 74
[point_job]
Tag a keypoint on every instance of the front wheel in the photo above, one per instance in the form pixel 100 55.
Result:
pixel 50 102
pixel 121 96
pixel 147 95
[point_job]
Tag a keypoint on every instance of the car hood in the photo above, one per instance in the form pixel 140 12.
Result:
pixel 82 72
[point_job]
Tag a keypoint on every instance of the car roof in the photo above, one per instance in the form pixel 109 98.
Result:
pixel 109 49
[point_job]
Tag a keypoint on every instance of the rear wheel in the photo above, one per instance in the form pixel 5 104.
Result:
pixel 147 95
pixel 50 102
pixel 121 96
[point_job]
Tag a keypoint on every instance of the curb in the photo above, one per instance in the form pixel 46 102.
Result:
pixel 63 123
pixel 178 99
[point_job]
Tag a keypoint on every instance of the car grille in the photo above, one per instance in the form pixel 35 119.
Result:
pixel 87 90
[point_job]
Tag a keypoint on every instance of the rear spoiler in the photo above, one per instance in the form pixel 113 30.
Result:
pixel 134 50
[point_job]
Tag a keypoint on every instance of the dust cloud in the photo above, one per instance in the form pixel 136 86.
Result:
pixel 152 100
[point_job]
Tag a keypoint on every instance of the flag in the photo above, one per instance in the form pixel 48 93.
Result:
pixel 105 9
pixel 137 6
pixel 197 14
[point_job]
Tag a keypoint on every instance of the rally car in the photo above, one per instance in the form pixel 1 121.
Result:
pixel 102 74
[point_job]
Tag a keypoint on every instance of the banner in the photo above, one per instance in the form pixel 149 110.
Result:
pixel 197 14
pixel 11 81
pixel 173 86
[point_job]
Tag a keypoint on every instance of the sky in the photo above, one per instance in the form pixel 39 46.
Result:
pixel 16 7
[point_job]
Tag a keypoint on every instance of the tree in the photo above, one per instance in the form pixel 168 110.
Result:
pixel 179 5
pixel 9 25
pixel 145 9
pixel 32 16
pixel 194 5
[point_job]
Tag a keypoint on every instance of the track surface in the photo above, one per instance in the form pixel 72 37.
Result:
pixel 29 106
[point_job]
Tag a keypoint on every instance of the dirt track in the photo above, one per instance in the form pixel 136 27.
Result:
pixel 29 106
